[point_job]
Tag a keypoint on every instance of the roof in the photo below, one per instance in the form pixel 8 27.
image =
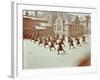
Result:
pixel 45 24
pixel 35 18
pixel 39 27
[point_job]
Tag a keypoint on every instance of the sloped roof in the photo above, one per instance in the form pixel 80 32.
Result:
pixel 45 24
pixel 35 18
pixel 39 27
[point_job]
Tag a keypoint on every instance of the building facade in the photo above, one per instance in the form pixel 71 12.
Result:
pixel 57 22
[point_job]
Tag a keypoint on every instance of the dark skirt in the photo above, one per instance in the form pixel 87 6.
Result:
pixel 46 43
pixel 78 42
pixel 40 42
pixel 60 48
pixel 52 45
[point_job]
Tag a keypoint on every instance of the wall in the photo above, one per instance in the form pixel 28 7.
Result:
pixel 5 39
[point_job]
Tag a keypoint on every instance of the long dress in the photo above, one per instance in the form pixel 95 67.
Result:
pixel 71 42
pixel 45 42
pixel 60 48
pixel 83 39
pixel 52 45
pixel 40 41
pixel 78 41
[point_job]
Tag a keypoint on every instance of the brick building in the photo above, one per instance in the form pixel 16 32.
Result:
pixel 56 22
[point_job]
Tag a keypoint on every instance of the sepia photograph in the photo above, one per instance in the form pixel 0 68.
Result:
pixel 53 40
pixel 56 39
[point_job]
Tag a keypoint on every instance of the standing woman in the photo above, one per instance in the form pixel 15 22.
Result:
pixel 45 42
pixel 83 40
pixel 78 41
pixel 40 40
pixel 60 48
pixel 52 44
pixel 71 43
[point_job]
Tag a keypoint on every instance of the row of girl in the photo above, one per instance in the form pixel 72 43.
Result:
pixel 52 40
